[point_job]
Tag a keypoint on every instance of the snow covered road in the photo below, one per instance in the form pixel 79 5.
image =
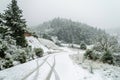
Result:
pixel 64 67
pixel 57 66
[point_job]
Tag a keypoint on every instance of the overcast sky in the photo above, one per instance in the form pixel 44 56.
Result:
pixel 98 13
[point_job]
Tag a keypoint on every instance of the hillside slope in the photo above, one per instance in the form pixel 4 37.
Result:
pixel 49 44
pixel 69 31
pixel 45 44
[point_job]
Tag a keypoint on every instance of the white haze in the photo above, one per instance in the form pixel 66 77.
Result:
pixel 98 13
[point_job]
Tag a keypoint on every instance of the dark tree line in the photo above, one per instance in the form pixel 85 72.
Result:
pixel 69 31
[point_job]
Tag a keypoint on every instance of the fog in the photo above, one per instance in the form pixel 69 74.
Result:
pixel 103 14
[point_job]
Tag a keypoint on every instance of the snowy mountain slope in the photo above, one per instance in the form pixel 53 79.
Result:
pixel 68 30
pixel 45 44
pixel 49 44
pixel 34 43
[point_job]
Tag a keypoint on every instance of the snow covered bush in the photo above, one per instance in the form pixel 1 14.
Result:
pixel 39 52
pixel 107 45
pixel 107 57
pixel 91 54
pixel 88 54
pixel 8 62
pixel 21 55
pixel 28 51
pixel 83 46
pixel 96 55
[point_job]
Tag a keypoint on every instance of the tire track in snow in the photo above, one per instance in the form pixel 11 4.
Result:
pixel 52 70
pixel 26 76
pixel 37 72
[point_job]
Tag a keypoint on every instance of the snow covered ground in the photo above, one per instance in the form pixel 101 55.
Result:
pixel 34 43
pixel 49 44
pixel 105 71
pixel 57 66
pixel 20 71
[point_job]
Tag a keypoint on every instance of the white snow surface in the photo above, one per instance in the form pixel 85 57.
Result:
pixel 49 44
pixel 63 69
pixel 57 66
pixel 35 43
pixel 20 71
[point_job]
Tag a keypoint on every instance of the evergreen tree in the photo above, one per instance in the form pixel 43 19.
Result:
pixel 13 19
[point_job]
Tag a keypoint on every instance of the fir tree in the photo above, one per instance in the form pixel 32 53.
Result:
pixel 13 19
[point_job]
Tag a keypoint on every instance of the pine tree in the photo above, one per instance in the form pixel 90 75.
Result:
pixel 13 19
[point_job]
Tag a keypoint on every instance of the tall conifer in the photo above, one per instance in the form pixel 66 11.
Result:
pixel 13 19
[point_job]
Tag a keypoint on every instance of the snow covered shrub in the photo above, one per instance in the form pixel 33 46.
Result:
pixel 8 62
pixel 39 52
pixel 91 54
pixel 107 57
pixel 21 55
pixel 88 54
pixel 28 51
pixel 83 46
pixel 96 55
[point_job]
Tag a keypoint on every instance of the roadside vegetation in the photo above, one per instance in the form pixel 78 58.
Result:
pixel 14 48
